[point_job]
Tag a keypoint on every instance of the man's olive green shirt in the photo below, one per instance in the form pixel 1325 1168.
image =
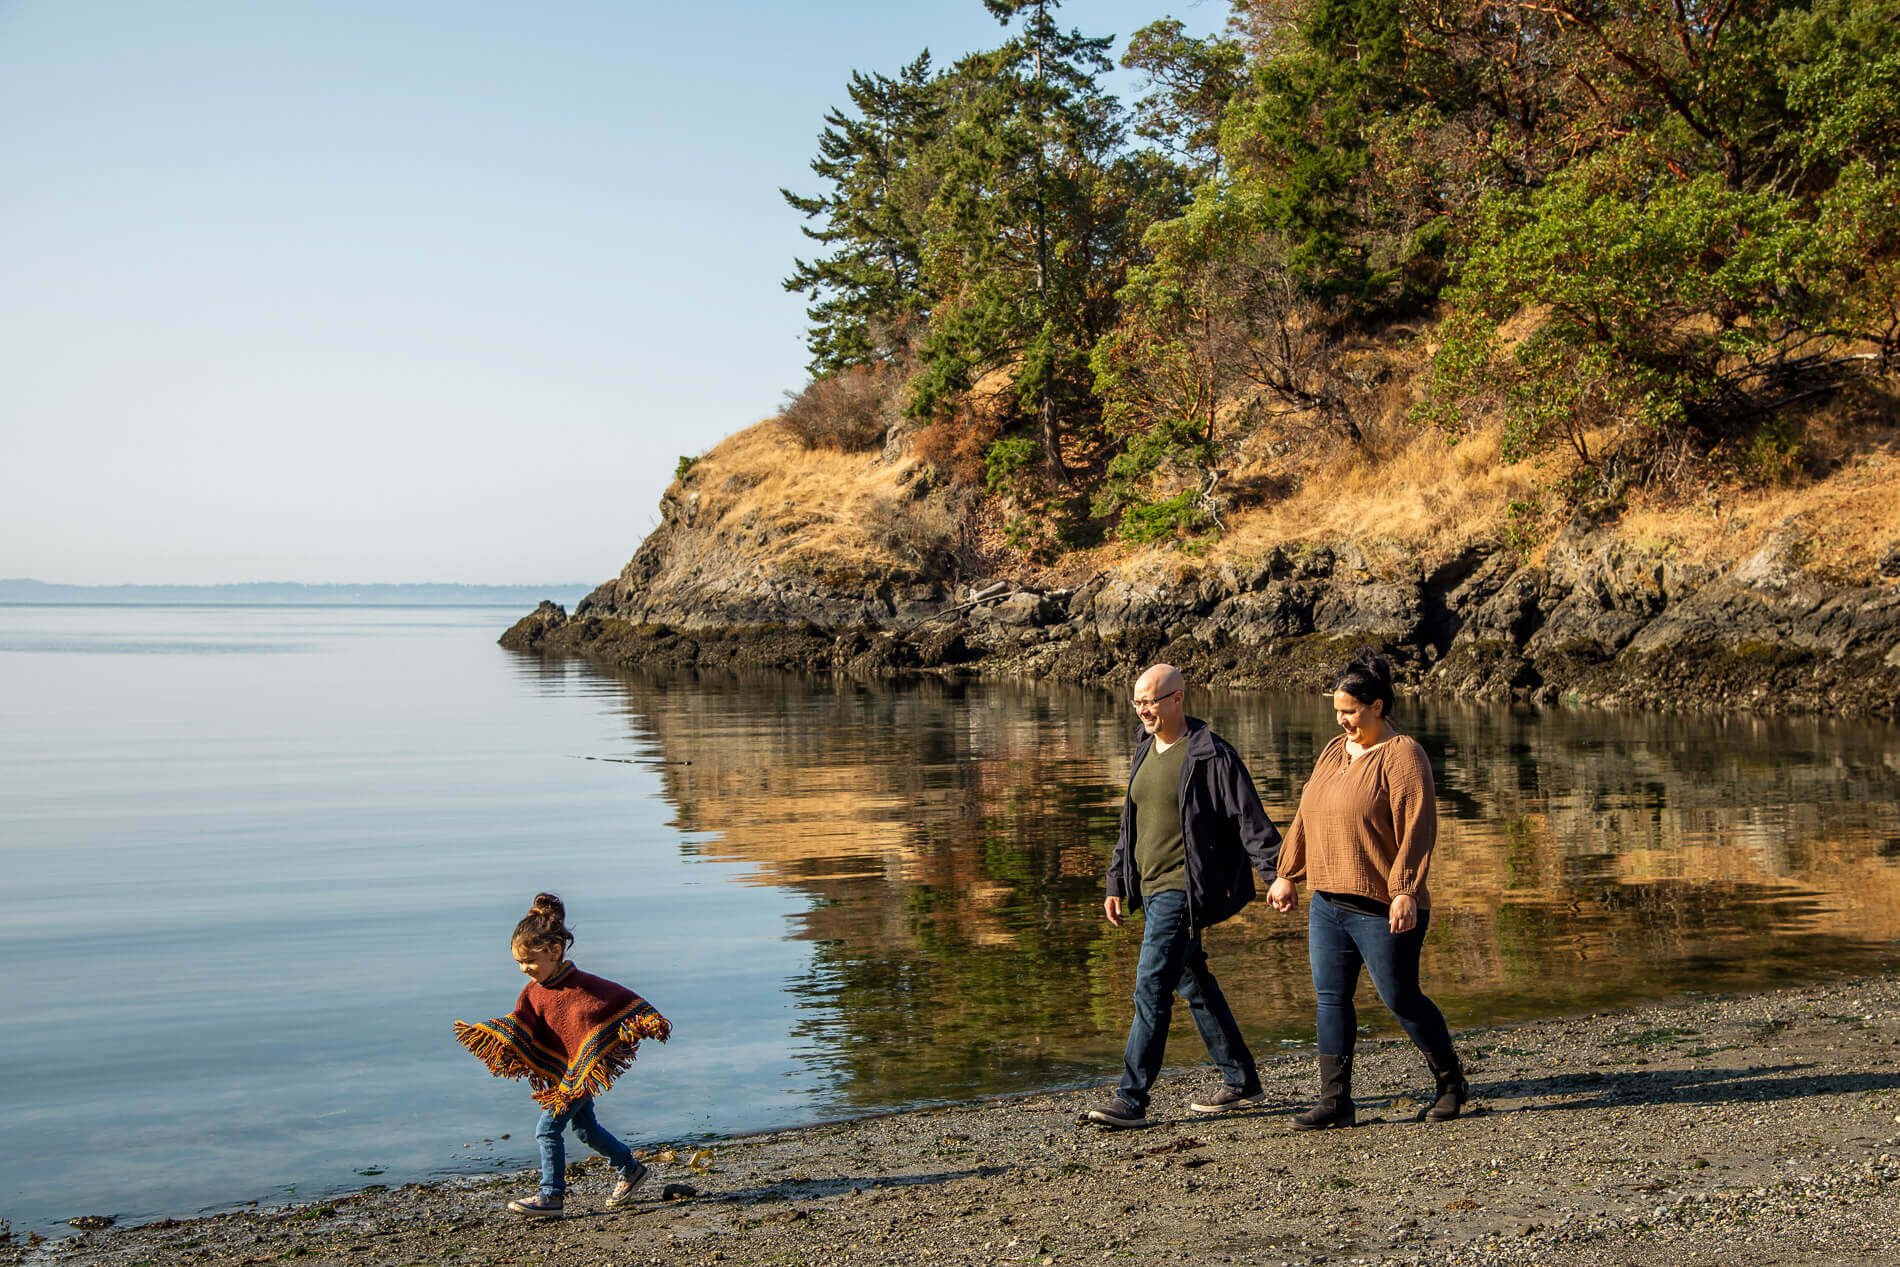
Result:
pixel 1160 851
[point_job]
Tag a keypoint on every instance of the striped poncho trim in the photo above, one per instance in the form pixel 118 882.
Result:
pixel 510 1051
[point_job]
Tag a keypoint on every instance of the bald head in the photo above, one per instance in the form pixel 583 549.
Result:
pixel 1158 680
pixel 1161 702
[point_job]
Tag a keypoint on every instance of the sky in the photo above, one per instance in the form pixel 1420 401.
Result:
pixel 407 290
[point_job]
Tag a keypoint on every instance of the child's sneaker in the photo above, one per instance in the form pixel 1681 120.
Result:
pixel 540 1207
pixel 628 1185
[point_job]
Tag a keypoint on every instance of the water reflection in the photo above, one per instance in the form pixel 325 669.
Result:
pixel 950 838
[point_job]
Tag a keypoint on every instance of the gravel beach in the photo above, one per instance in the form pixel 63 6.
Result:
pixel 1759 1129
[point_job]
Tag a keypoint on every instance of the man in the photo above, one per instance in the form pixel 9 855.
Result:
pixel 1190 823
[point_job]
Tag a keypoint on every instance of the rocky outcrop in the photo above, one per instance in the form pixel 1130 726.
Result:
pixel 1599 620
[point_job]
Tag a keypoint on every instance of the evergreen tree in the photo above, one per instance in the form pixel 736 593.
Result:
pixel 1301 135
pixel 1035 218
pixel 1191 81
pixel 869 295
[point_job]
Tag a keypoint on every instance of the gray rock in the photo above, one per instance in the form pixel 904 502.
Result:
pixel 1026 608
pixel 1601 619
pixel 1512 614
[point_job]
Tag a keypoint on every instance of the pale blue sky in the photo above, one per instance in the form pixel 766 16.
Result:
pixel 406 290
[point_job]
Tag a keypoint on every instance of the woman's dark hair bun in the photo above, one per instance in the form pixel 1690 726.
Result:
pixel 545 924
pixel 1368 679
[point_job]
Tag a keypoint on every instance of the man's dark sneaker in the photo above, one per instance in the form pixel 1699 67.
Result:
pixel 540 1207
pixel 1229 1098
pixel 629 1184
pixel 1118 1114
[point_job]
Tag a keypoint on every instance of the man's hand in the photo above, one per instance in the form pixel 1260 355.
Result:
pixel 1281 896
pixel 1404 913
pixel 1112 907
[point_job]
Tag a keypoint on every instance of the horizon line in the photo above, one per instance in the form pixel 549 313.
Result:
pixel 563 585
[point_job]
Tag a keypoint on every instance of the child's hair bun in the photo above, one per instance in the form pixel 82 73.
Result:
pixel 545 924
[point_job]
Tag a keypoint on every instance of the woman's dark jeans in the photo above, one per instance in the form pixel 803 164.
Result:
pixel 1338 941
pixel 1172 962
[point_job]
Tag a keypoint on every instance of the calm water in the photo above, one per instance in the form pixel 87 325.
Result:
pixel 256 860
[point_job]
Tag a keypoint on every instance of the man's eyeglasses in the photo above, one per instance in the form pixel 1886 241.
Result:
pixel 1143 705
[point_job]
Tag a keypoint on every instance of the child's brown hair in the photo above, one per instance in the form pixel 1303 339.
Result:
pixel 545 925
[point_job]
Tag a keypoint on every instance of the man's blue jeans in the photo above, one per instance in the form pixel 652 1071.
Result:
pixel 1339 941
pixel 1172 962
pixel 590 1132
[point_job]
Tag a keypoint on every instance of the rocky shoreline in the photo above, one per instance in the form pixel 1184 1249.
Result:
pixel 1762 1128
pixel 1596 621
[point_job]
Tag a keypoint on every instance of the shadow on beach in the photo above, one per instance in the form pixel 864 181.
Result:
pixel 1760 1084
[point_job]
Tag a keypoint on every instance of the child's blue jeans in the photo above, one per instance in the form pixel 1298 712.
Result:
pixel 580 1115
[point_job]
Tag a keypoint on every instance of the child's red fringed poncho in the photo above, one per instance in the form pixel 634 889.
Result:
pixel 569 1036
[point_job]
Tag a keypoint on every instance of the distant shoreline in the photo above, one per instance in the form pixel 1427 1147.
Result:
pixel 22 592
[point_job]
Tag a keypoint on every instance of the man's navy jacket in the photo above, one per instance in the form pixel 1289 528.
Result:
pixel 1224 830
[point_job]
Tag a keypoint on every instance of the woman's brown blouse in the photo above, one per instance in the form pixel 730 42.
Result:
pixel 1366 826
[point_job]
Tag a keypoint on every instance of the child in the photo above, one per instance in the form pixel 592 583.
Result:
pixel 570 1035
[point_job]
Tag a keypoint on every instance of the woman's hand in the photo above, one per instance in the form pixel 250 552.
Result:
pixel 1281 897
pixel 1404 913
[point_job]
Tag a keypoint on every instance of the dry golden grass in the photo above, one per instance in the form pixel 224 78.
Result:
pixel 1417 493
pixel 762 501
pixel 765 499
pixel 1849 517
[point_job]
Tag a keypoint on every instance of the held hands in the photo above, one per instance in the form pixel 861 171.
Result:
pixel 1281 897
pixel 1404 913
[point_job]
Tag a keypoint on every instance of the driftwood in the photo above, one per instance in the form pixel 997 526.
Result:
pixel 1000 589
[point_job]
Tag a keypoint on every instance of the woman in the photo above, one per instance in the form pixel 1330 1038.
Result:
pixel 1363 836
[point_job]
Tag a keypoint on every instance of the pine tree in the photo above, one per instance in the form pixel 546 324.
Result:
pixel 1191 81
pixel 869 296
pixel 1031 232
pixel 1300 136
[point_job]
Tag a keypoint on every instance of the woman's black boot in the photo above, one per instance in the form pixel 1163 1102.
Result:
pixel 1335 1107
pixel 1453 1090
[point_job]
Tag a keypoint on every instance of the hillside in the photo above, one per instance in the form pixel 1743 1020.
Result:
pixel 1553 349
pixel 773 555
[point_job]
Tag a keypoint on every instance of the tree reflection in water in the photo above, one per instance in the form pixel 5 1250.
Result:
pixel 950 838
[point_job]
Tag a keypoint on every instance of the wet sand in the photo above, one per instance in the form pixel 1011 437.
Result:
pixel 1760 1128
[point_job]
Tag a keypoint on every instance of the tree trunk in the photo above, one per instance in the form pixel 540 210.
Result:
pixel 1052 439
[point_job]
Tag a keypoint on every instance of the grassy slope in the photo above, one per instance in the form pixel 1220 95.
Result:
pixel 759 501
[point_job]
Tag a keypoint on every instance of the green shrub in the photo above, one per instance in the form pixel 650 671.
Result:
pixel 1005 461
pixel 1524 527
pixel 1144 521
pixel 1773 455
